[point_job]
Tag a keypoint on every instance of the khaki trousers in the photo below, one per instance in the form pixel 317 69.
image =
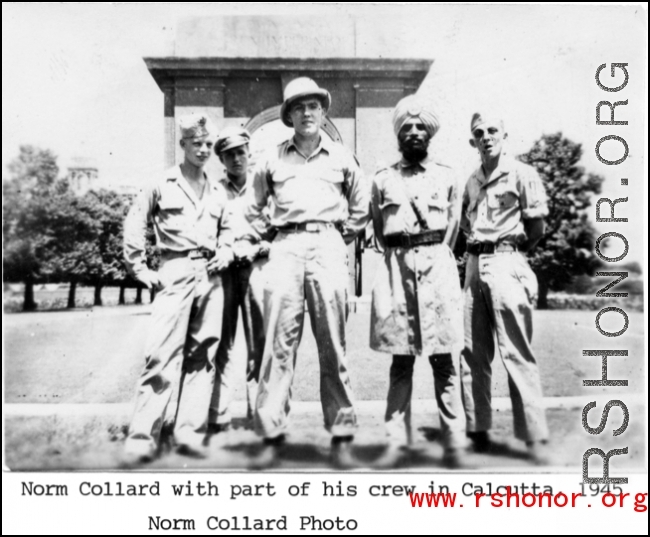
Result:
pixel 446 380
pixel 499 291
pixel 180 353
pixel 243 290
pixel 309 266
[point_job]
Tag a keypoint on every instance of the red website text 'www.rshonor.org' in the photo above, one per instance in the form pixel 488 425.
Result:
pixel 514 499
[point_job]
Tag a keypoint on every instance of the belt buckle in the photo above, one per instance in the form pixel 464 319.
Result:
pixel 311 226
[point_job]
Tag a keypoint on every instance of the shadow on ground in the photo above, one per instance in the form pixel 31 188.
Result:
pixel 96 442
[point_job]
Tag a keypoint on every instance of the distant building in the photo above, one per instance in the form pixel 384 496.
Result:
pixel 83 175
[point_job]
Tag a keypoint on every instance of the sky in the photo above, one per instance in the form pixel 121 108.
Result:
pixel 74 80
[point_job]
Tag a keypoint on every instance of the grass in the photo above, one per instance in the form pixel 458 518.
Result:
pixel 95 356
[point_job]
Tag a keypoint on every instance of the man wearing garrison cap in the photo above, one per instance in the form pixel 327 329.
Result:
pixel 416 298
pixel 242 281
pixel 187 212
pixel 502 215
pixel 320 203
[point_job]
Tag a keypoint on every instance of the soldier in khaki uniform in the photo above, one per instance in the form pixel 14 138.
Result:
pixel 416 297
pixel 320 202
pixel 503 208
pixel 242 281
pixel 187 212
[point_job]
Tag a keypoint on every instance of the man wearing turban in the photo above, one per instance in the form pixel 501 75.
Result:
pixel 193 235
pixel 416 298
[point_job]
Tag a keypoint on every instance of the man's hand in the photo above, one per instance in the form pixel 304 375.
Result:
pixel 150 279
pixel 221 260
pixel 245 251
pixel 264 249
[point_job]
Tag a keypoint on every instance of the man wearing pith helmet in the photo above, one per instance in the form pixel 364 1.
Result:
pixel 186 209
pixel 416 297
pixel 320 203
pixel 502 214
pixel 242 282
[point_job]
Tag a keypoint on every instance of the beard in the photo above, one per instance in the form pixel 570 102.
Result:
pixel 414 150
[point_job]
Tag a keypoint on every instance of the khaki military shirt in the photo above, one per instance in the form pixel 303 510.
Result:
pixel 431 187
pixel 242 229
pixel 326 186
pixel 181 221
pixel 493 210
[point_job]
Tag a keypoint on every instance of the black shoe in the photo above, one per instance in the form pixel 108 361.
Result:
pixel 216 428
pixel 341 455
pixel 453 459
pixel 269 457
pixel 191 451
pixel 480 441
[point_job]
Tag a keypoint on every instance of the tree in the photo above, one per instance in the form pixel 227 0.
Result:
pixel 104 262
pixel 44 233
pixel 567 248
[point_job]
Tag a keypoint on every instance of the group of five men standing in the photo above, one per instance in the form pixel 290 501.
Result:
pixel 267 241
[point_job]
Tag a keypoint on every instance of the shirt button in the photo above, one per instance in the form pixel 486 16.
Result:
pixel 416 250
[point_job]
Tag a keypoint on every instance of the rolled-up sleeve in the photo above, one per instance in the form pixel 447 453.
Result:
pixel 532 194
pixel 358 197
pixel 135 230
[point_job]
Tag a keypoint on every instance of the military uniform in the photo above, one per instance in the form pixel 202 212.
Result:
pixel 186 314
pixel 416 296
pixel 320 202
pixel 243 290
pixel 500 288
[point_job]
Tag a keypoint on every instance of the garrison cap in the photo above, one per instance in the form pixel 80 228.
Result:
pixel 195 124
pixel 230 138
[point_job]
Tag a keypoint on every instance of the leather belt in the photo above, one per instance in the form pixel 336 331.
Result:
pixel 409 240
pixel 200 253
pixel 309 226
pixel 478 248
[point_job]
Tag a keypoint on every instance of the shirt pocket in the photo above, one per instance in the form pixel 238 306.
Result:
pixel 285 187
pixel 171 209
pixel 502 199
pixel 437 204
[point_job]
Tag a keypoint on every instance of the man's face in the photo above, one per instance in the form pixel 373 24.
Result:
pixel 197 149
pixel 236 160
pixel 307 116
pixel 488 138
pixel 413 139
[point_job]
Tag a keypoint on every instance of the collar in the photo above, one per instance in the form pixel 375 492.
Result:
pixel 325 144
pixel 424 164
pixel 227 182
pixel 505 166
pixel 176 175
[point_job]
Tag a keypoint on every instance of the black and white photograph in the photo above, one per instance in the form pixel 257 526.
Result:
pixel 364 245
